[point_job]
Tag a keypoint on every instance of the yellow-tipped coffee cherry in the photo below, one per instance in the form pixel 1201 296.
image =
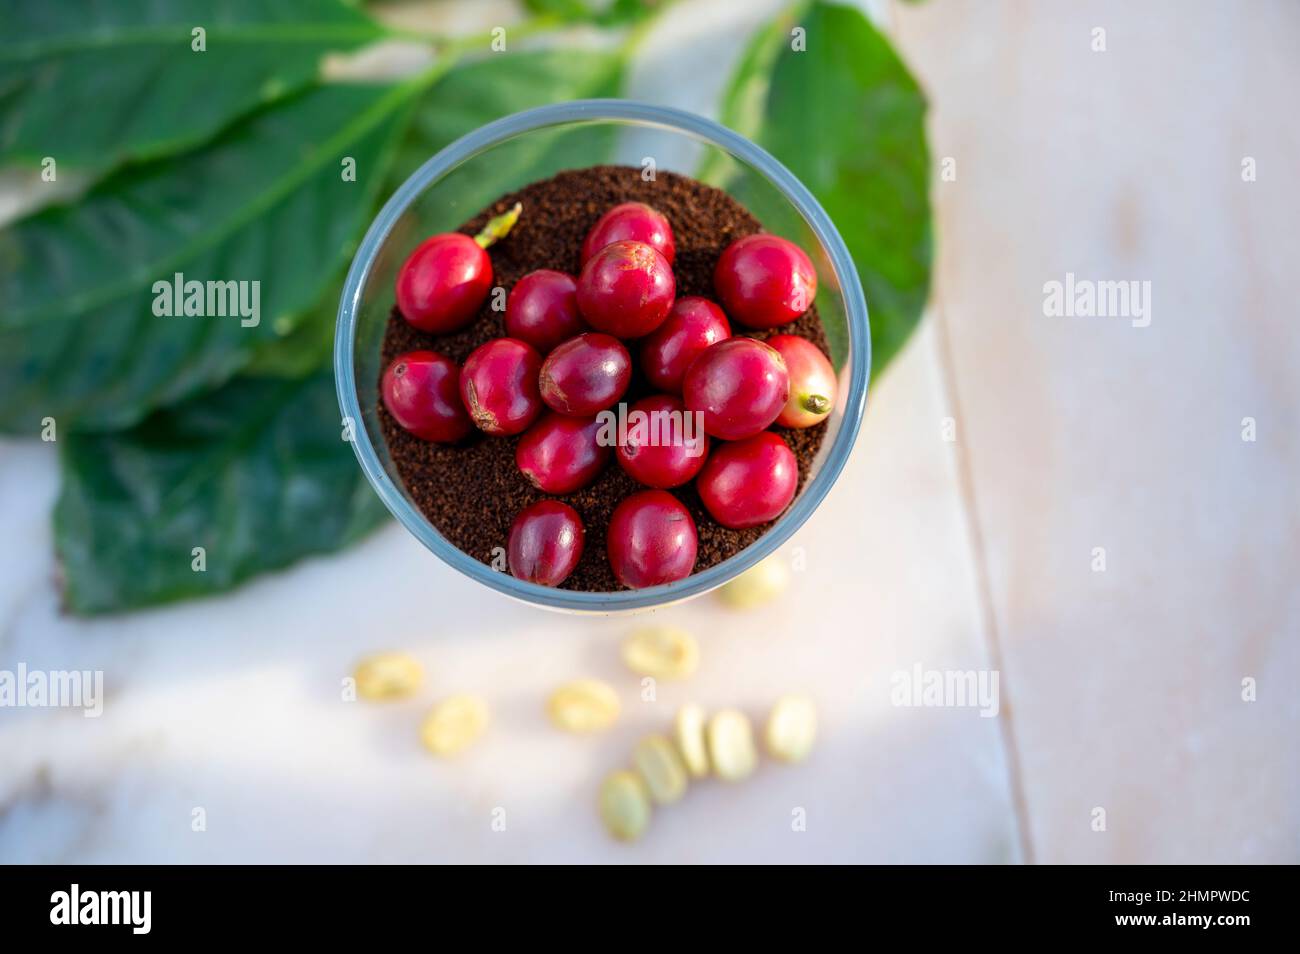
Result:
pixel 661 769
pixel 454 724
pixel 688 733
pixel 791 728
pixel 760 584
pixel 624 805
pixel 584 705
pixel 664 652
pixel 386 676
pixel 731 746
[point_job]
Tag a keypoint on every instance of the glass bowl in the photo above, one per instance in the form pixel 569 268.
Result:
pixel 506 155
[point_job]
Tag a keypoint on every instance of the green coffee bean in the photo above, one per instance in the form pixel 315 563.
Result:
pixel 584 705
pixel 387 676
pixel 664 652
pixel 661 769
pixel 731 745
pixel 688 733
pixel 760 584
pixel 624 805
pixel 791 728
pixel 454 724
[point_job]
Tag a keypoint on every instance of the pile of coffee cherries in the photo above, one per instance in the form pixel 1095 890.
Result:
pixel 566 358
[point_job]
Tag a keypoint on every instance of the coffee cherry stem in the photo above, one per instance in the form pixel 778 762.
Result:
pixel 499 226
pixel 815 403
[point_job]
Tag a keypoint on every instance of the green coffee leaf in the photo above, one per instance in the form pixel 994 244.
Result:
pixel 846 117
pixel 207 494
pixel 465 99
pixel 270 202
pixel 309 347
pixel 601 12
pixel 255 473
pixel 90 84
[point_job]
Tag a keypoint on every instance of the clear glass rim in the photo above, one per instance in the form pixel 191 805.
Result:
pixel 605 110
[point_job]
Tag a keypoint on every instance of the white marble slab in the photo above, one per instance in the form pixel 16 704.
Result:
pixel 1085 433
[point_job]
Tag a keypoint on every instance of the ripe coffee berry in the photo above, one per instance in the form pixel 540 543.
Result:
pixel 421 389
pixel 664 446
pixel 586 374
pixel 651 540
pixel 441 287
pixel 812 381
pixel 546 541
pixel 740 385
pixel 560 454
pixel 631 221
pixel 499 386
pixel 542 309
pixel 692 325
pixel 765 280
pixel 626 289
pixel 747 483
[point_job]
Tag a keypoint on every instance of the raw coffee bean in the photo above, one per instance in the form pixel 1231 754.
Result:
pixel 731 746
pixel 661 768
pixel 454 724
pixel 692 744
pixel 584 705
pixel 791 729
pixel 386 676
pixel 664 652
pixel 624 805
pixel 758 585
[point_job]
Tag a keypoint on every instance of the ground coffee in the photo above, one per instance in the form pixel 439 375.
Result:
pixel 472 491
